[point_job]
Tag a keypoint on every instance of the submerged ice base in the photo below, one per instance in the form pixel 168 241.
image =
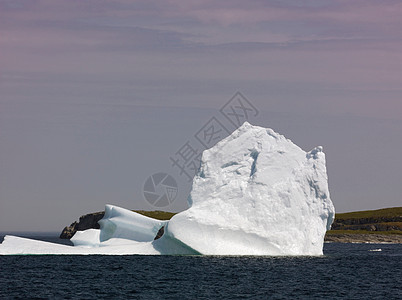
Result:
pixel 256 193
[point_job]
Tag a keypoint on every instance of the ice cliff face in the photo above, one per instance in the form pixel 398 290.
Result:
pixel 257 193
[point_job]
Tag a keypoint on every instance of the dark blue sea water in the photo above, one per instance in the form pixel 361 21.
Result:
pixel 346 271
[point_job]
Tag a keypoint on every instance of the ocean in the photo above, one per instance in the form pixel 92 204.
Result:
pixel 346 271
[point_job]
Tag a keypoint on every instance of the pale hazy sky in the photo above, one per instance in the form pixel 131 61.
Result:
pixel 95 96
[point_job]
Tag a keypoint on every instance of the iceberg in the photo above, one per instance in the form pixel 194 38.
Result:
pixel 256 193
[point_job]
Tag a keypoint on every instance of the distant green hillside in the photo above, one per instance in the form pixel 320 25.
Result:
pixel 380 221
pixel 369 221
pixel 378 213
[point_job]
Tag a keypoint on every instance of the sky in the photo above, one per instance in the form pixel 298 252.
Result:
pixel 96 96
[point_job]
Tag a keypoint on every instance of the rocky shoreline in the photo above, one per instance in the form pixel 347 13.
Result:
pixel 371 238
pixel 88 221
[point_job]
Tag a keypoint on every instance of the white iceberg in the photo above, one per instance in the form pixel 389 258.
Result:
pixel 256 193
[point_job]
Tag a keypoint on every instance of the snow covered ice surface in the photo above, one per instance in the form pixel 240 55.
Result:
pixel 256 193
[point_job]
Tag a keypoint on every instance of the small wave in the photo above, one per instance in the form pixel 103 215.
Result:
pixel 375 250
